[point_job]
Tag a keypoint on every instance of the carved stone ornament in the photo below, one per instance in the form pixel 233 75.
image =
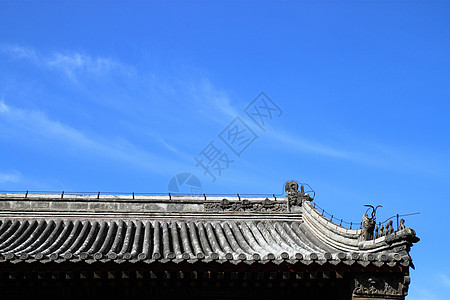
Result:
pixel 266 205
pixel 402 225
pixel 294 196
pixel 387 286
pixel 368 226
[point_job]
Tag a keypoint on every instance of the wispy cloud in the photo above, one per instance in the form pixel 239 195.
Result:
pixel 71 63
pixel 172 148
pixel 219 99
pixel 218 106
pixel 13 180
pixel 210 101
pixel 21 52
pixel 298 143
pixel 10 177
pixel 445 280
pixel 374 154
pixel 422 294
pixel 123 89
pixel 208 98
pixel 38 124
pixel 173 96
pixel 3 108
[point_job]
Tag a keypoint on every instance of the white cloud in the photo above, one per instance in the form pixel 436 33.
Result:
pixel 10 177
pixel 296 143
pixel 373 154
pixel 73 64
pixel 211 102
pixel 36 123
pixel 19 52
pixel 3 108
pixel 420 293
pixel 220 100
pixel 67 64
pixel 136 87
pixel 120 88
pixel 216 105
pixel 173 149
pixel 445 280
pixel 214 102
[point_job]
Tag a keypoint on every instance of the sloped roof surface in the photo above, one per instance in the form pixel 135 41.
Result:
pixel 173 240
pixel 250 231
pixel 163 241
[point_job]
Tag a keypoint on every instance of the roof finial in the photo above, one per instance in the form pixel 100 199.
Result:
pixel 295 197
pixel 368 224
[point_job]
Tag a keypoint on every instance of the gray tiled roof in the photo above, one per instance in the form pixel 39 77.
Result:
pixel 188 233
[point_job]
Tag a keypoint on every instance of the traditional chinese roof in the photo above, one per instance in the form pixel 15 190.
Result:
pixel 149 229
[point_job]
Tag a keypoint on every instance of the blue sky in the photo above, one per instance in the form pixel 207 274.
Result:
pixel 122 97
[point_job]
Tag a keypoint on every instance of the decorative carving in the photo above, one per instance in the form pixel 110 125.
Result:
pixel 400 248
pixel 391 285
pixel 266 205
pixel 292 193
pixel 402 225
pixel 387 230
pixel 368 224
pixel 295 197
pixel 291 187
pixel 224 204
pixel 390 228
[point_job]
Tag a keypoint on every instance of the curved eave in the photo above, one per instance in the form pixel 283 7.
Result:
pixel 348 240
pixel 245 241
